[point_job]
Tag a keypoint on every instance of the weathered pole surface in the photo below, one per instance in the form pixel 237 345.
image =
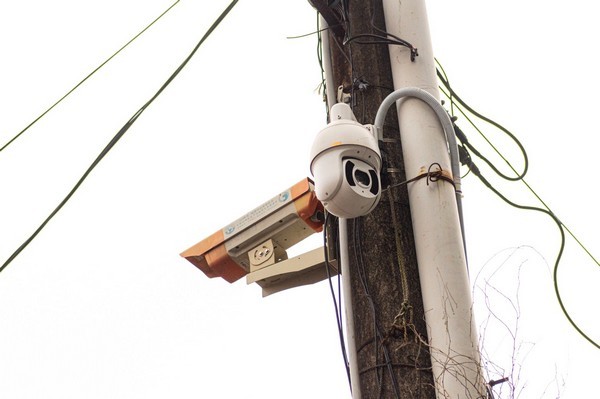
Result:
pixel 390 331
pixel 426 139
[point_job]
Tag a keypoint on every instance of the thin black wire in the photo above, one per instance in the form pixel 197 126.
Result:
pixel 322 68
pixel 395 40
pixel 118 136
pixel 360 265
pixel 346 21
pixel 86 78
pixel 559 224
pixel 336 301
pixel 378 39
pixel 357 250
pixel 363 280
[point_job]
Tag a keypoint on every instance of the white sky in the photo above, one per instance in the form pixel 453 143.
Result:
pixel 100 305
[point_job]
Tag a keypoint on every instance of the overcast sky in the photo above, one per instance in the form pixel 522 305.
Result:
pixel 100 305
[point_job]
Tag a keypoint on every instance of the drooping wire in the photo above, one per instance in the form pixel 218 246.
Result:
pixel 454 98
pixel 466 159
pixel 559 224
pixel 118 136
pixel 447 79
pixel 87 77
pixel 451 95
pixel 532 191
pixel 337 300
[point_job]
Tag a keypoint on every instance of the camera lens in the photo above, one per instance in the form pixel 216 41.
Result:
pixel 362 178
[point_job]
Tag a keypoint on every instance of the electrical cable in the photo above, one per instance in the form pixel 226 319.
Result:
pixel 466 160
pixel 119 134
pixel 559 224
pixel 346 50
pixel 360 265
pixel 520 175
pixel 336 301
pixel 378 39
pixel 86 78
pixel 462 137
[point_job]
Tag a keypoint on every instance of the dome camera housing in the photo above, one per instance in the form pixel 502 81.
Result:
pixel 346 164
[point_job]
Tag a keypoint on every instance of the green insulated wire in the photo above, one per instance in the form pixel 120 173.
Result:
pixel 118 136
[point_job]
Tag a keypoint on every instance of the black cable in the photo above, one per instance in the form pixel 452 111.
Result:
pixel 559 224
pixel 357 251
pixel 399 41
pixel 378 39
pixel 336 301
pixel 520 175
pixel 363 280
pixel 462 137
pixel 86 78
pixel 447 79
pixel 466 160
pixel 118 136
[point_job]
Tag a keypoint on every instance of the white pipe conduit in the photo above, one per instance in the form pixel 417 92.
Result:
pixel 453 340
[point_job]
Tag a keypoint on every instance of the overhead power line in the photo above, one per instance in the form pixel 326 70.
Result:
pixel 120 134
pixel 87 77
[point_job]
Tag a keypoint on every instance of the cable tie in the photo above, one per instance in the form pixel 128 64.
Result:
pixel 440 174
pixel 435 175
pixel 432 176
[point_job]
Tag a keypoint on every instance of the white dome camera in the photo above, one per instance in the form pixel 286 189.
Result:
pixel 345 164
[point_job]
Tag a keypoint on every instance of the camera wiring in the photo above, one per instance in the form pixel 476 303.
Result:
pixel 467 160
pixel 461 136
pixel 379 39
pixel 383 364
pixel 337 298
pixel 119 135
pixel 8 143
pixel 378 337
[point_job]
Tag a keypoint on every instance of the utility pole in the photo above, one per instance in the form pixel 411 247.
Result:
pixel 390 333
pixel 403 348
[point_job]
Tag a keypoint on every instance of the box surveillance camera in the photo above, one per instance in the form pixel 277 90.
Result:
pixel 263 233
